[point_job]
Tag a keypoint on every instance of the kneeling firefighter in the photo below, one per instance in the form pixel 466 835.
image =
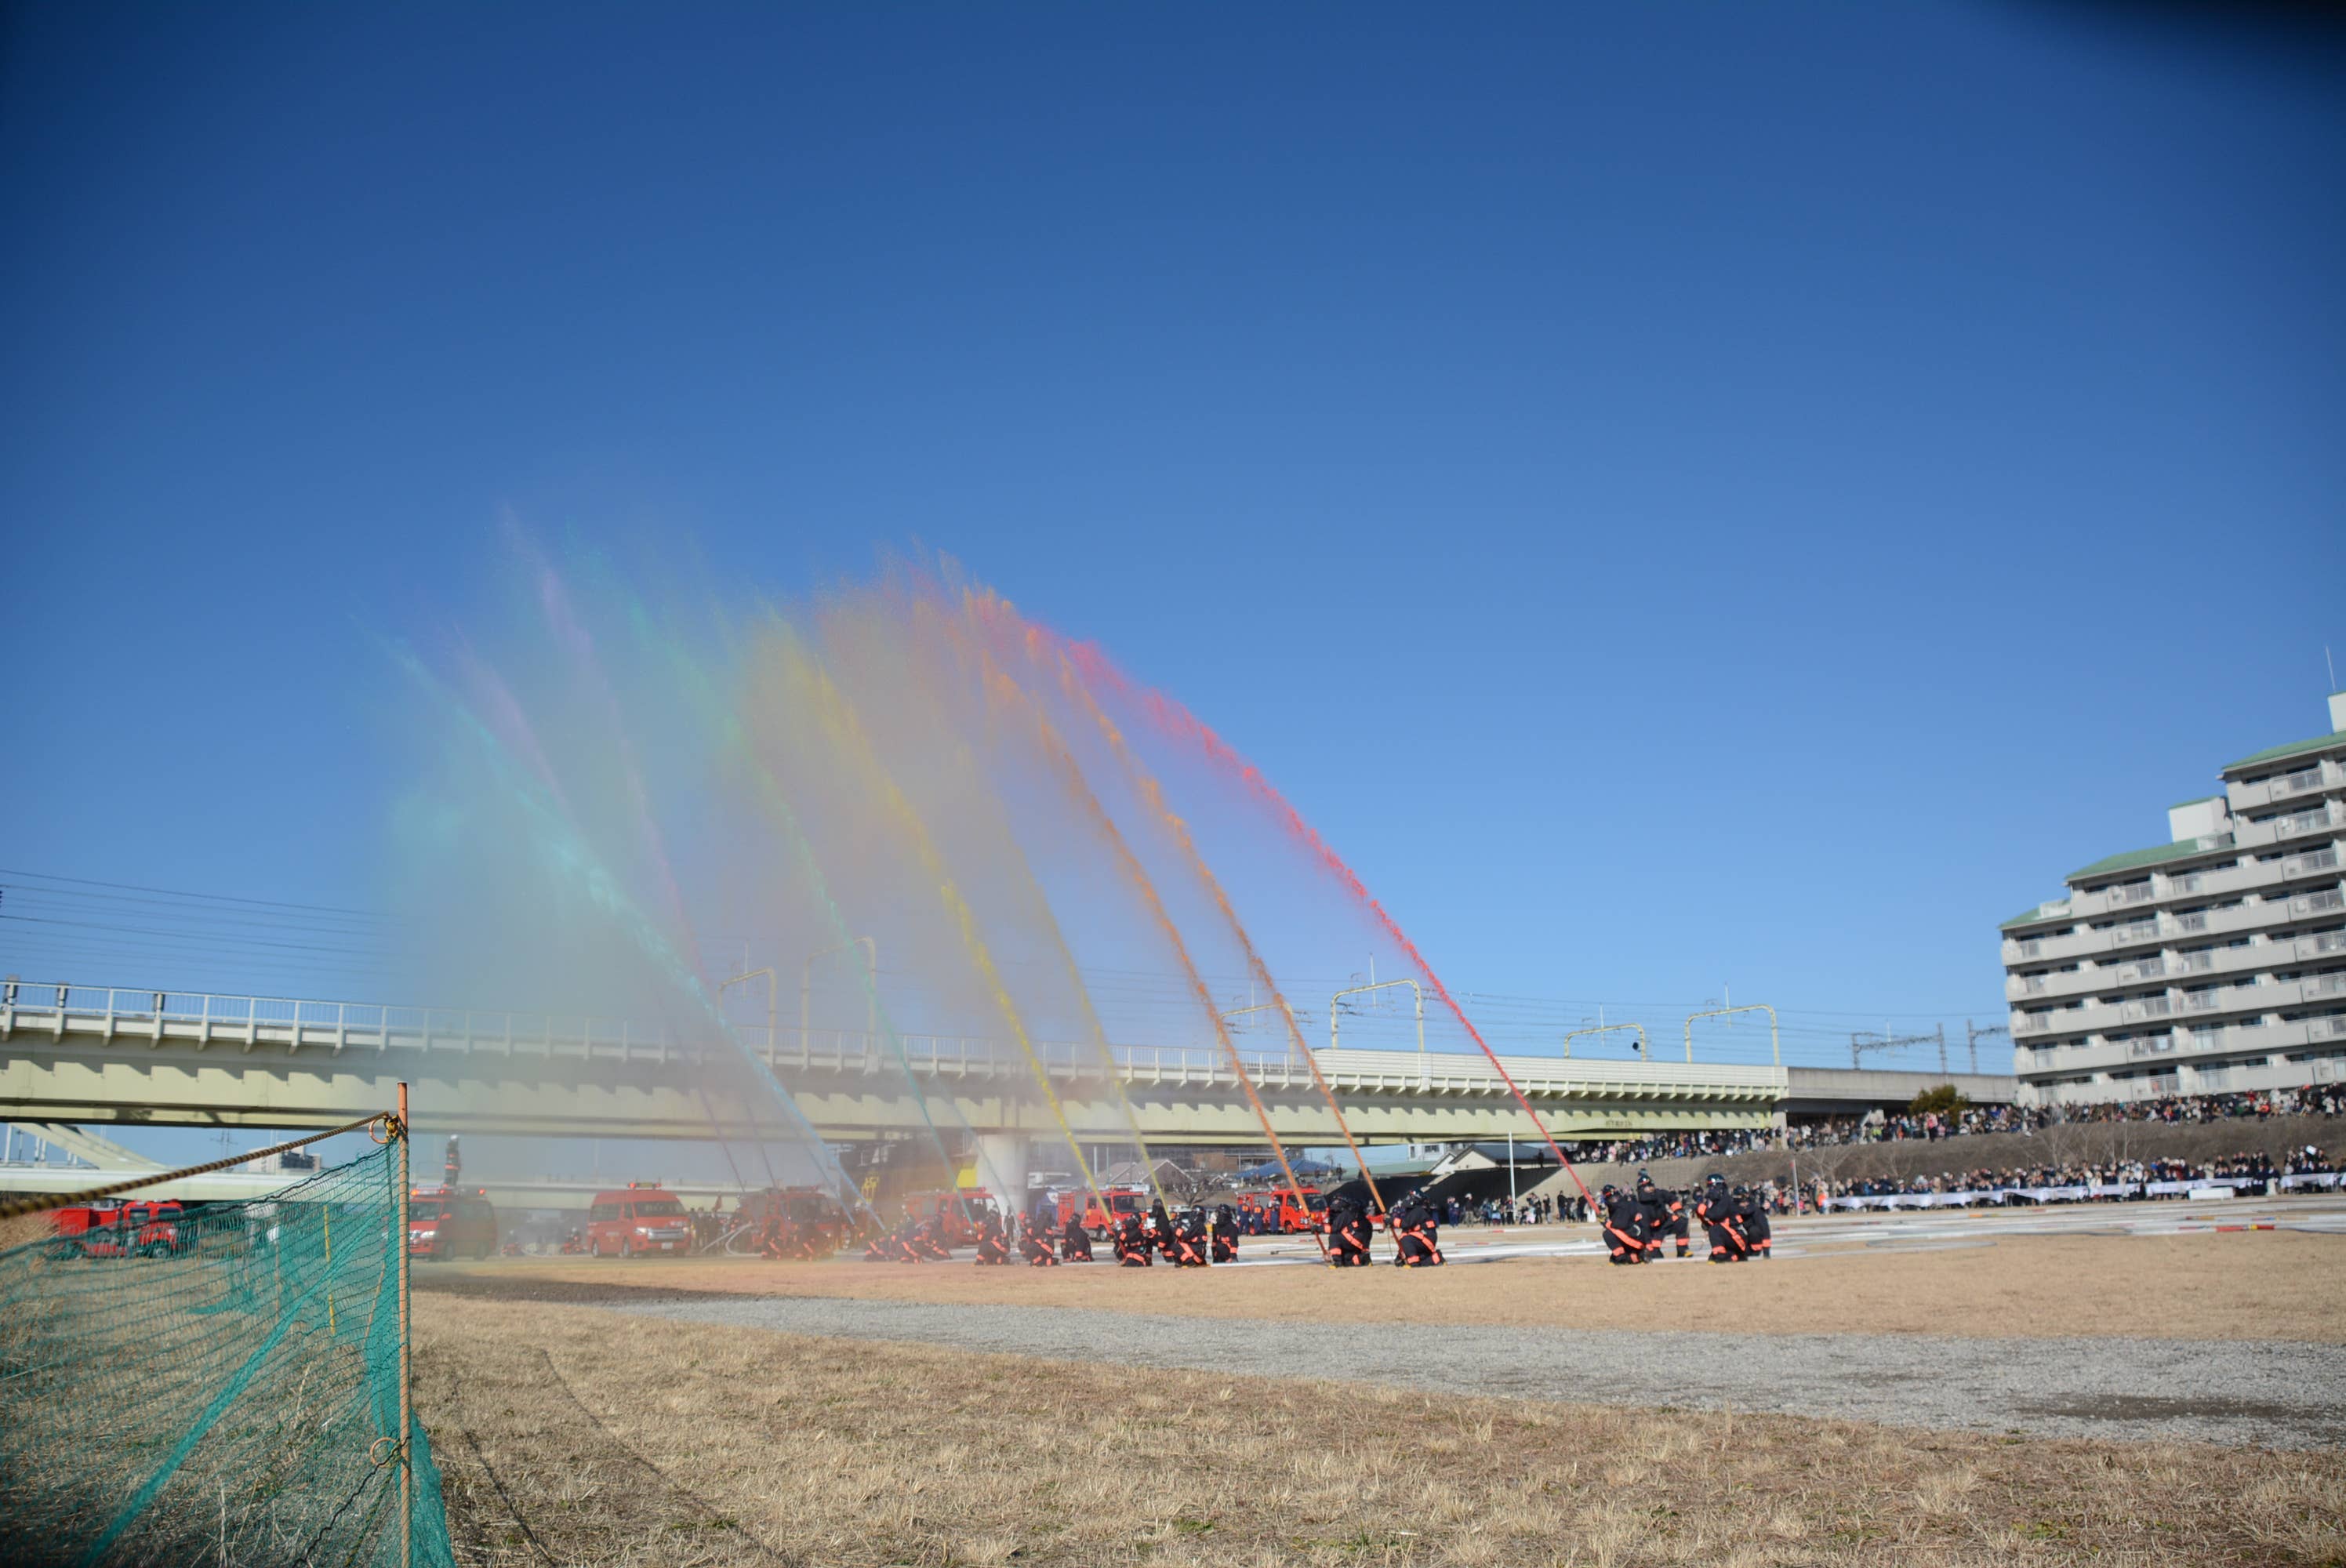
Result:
pixel 1225 1232
pixel 1666 1218
pixel 993 1245
pixel 1075 1241
pixel 1751 1208
pixel 1034 1245
pixel 1132 1246
pixel 1349 1232
pixel 1624 1220
pixel 1415 1233
pixel 1717 1210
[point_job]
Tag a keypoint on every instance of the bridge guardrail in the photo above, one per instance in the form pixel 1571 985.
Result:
pixel 300 1024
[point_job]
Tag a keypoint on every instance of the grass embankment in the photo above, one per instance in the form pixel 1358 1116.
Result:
pixel 567 1435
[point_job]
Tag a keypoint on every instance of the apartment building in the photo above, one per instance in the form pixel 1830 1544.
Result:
pixel 2213 963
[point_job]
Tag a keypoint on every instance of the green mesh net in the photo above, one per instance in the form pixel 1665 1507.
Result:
pixel 214 1386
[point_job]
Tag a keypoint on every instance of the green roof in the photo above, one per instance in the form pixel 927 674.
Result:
pixel 2200 800
pixel 2275 753
pixel 2134 857
pixel 2034 913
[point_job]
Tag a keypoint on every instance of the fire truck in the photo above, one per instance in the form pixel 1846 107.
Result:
pixel 125 1230
pixel 638 1221
pixel 444 1224
pixel 1121 1201
pixel 961 1212
pixel 1292 1209
pixel 816 1219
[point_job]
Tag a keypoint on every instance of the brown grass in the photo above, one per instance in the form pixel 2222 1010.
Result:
pixel 2258 1284
pixel 569 1435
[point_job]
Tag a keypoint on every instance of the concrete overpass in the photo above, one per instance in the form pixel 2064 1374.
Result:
pixel 92 1055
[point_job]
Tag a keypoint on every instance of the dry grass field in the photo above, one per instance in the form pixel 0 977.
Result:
pixel 572 1435
pixel 2258 1284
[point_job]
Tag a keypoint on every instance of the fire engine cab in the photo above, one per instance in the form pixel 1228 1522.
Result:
pixel 638 1221
pixel 125 1230
pixel 1292 1209
pixel 443 1224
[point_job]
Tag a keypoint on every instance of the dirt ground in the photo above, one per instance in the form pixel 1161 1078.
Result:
pixel 567 1436
pixel 2254 1285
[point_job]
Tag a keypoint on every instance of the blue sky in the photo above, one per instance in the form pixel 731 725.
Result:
pixel 1681 497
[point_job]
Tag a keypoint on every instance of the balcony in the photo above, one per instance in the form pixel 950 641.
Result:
pixel 2134 934
pixel 2330 900
pixel 2319 945
pixel 2298 825
pixel 2191 1045
pixel 2311 864
pixel 2287 785
pixel 2299 783
pixel 2144 1007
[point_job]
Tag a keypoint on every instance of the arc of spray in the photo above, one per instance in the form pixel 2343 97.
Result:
pixel 776 800
pixel 1071 776
pixel 847 731
pixel 993 606
pixel 572 856
pixel 1178 721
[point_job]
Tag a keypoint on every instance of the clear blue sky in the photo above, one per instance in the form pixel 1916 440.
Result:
pixel 1680 497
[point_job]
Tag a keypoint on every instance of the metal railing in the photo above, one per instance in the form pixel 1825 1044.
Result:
pixel 298 1027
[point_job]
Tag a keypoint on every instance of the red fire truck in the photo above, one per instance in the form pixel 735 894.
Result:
pixel 815 1221
pixel 443 1224
pixel 125 1230
pixel 638 1221
pixel 1121 1201
pixel 961 1212
pixel 1292 1209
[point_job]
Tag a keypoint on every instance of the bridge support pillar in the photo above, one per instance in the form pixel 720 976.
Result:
pixel 1007 1157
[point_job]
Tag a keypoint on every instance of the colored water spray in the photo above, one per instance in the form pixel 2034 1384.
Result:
pixel 994 608
pixel 1002 687
pixel 566 853
pixel 839 719
pixel 1179 722
pixel 775 802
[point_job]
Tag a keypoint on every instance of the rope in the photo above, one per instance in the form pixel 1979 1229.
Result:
pixel 39 1202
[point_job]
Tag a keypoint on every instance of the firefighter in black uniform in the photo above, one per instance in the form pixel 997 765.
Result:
pixel 929 1241
pixel 1717 1210
pixel 1751 1207
pixel 1625 1225
pixel 992 1247
pixel 1075 1241
pixel 1034 1244
pixel 1415 1234
pixel 1666 1217
pixel 1190 1240
pixel 1348 1234
pixel 1225 1232
pixel 1132 1247
pixel 1160 1228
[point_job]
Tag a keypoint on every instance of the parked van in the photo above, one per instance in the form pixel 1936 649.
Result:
pixel 638 1220
pixel 444 1225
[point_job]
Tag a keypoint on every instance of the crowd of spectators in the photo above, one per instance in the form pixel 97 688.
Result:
pixel 2252 1172
pixel 1880 1127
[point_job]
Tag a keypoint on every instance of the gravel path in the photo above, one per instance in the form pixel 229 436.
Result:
pixel 2273 1395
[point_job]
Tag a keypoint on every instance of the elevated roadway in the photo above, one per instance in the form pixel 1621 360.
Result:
pixel 92 1055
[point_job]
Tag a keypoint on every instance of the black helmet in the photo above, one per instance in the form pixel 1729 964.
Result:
pixel 1645 1178
pixel 1609 1190
pixel 1715 1179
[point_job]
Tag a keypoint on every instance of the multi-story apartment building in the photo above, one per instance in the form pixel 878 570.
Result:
pixel 2215 961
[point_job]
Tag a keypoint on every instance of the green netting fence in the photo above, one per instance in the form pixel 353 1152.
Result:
pixel 219 1387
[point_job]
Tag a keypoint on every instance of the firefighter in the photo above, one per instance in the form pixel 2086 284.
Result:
pixel 1617 1212
pixel 769 1236
pixel 1416 1234
pixel 992 1247
pixel 1666 1217
pixel 1075 1241
pixel 1752 1210
pixel 1348 1247
pixel 1034 1241
pixel 1133 1249
pixel 1160 1228
pixel 1225 1232
pixel 1716 1209
pixel 929 1242
pixel 1189 1241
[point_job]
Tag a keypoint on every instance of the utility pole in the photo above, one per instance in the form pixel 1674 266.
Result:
pixel 1971 1037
